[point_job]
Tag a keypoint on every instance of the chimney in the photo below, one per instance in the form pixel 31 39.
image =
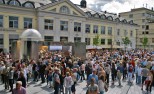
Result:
pixel 83 3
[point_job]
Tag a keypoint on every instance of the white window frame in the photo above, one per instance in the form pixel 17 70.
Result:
pixel 77 27
pixel 13 21
pixel 49 24
pixel 29 22
pixel 64 25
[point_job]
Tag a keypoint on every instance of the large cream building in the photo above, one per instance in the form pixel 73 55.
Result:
pixel 61 20
pixel 144 18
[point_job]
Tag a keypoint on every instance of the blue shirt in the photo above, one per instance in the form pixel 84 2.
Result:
pixel 93 76
pixel 120 68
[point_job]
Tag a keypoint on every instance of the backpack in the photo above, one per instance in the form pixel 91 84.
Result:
pixel 130 69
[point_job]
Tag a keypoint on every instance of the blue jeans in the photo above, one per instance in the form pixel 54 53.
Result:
pixel 139 80
pixel 101 92
pixel 67 90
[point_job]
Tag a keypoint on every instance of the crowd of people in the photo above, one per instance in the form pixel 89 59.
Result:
pixel 62 73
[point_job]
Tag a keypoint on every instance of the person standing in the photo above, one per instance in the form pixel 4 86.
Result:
pixel 144 75
pixel 11 74
pixel 19 89
pixel 68 83
pixel 93 88
pixel 82 68
pixel 107 70
pixel 56 81
pixel 113 72
pixel 130 73
pixel 149 80
pixel 22 79
pixel 2 67
pixel 101 84
pixel 139 74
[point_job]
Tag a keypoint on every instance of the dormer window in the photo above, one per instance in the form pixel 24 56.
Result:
pixel 14 2
pixel 89 14
pixel 96 15
pixel 110 18
pixel 28 5
pixel 124 21
pixel 65 10
pixel 117 20
pixel 2 2
pixel 103 17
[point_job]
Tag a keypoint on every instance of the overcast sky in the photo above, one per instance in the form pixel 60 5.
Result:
pixel 117 6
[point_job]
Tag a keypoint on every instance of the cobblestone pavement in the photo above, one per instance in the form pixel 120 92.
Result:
pixel 37 88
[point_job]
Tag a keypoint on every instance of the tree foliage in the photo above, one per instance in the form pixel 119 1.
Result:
pixel 126 41
pixel 145 42
pixel 96 40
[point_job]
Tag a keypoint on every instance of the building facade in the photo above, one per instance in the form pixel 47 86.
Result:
pixel 63 21
pixel 144 18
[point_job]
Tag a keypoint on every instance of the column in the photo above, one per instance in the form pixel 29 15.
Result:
pixel 71 30
pixel 6 41
pixel 56 30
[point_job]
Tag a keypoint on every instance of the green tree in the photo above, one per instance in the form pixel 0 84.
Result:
pixel 96 40
pixel 144 42
pixel 126 41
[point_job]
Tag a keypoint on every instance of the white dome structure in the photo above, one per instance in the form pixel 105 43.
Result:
pixel 31 35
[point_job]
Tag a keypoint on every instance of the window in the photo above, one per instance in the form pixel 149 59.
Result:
pixel 64 25
pixel 87 40
pixel 14 2
pixel 109 30
pixel 118 43
pixel 118 32
pixel 110 18
pixel 131 33
pixel 102 29
pixel 63 39
pixel 147 27
pixel 48 24
pixel 109 41
pixel 65 10
pixel 1 42
pixel 27 22
pixel 95 29
pixel 146 32
pixel 103 17
pixel 143 14
pixel 143 26
pixel 1 21
pixel 143 20
pixel 77 39
pixel 77 27
pixel 87 28
pixel 152 40
pixel 96 15
pixel 29 5
pixel 13 22
pixel 103 41
pixel 125 32
pixel 131 16
pixel 89 14
pixel 48 38
pixel 141 39
pixel 131 44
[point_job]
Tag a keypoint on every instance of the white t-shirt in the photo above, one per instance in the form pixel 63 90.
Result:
pixel 101 85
